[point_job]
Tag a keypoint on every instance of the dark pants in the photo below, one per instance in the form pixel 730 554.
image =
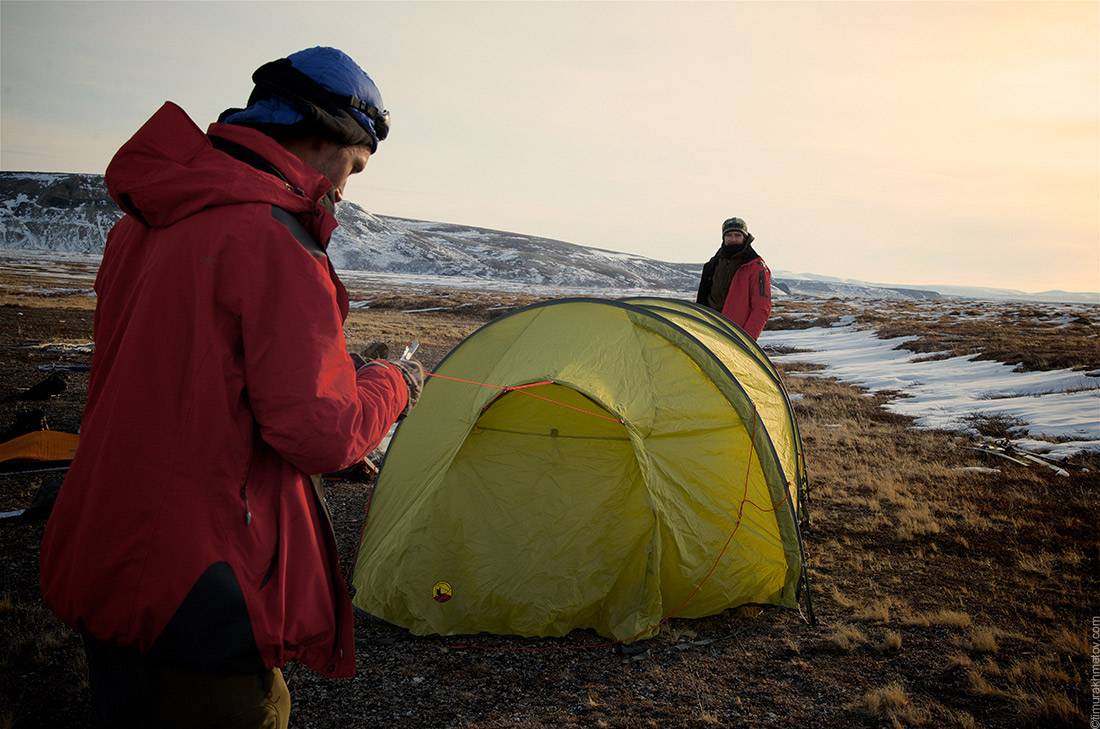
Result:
pixel 132 691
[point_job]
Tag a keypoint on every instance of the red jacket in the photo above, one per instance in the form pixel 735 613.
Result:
pixel 220 380
pixel 749 301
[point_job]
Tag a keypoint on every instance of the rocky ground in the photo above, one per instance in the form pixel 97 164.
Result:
pixel 951 589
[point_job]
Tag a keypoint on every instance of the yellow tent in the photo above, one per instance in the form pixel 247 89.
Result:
pixel 587 463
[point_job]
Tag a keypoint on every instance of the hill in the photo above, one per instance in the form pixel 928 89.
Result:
pixel 72 213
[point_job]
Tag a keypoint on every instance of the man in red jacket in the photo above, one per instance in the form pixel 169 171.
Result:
pixel 190 545
pixel 736 282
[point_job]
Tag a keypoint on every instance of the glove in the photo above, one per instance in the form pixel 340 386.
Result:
pixel 413 372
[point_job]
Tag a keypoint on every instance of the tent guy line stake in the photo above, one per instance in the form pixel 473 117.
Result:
pixel 674 613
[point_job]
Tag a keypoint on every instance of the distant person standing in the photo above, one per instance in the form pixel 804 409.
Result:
pixel 190 544
pixel 736 282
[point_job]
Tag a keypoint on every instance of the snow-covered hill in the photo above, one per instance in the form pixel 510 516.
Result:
pixel 72 213
pixel 809 284
pixel 370 242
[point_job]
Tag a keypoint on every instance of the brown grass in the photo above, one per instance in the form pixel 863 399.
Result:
pixel 961 599
pixel 848 637
pixel 950 618
pixel 1071 642
pixel 959 660
pixel 983 640
pixel 978 684
pixel 890 643
pixel 877 611
pixel 893 703
pixel 1049 709
pixel 888 699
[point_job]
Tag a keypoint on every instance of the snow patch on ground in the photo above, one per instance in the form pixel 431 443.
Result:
pixel 1062 405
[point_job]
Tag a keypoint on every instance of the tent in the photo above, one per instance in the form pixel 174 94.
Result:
pixel 588 463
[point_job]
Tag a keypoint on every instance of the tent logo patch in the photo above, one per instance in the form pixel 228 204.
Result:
pixel 441 591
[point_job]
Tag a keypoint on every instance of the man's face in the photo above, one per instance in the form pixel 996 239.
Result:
pixel 337 163
pixel 733 238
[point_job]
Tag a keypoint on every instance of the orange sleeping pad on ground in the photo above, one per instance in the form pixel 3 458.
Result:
pixel 41 445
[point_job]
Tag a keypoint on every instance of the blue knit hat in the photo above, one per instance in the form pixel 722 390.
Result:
pixel 319 90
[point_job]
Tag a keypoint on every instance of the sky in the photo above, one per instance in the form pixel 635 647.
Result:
pixel 908 143
pixel 941 393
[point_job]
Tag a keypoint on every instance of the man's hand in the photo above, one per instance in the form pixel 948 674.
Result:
pixel 413 372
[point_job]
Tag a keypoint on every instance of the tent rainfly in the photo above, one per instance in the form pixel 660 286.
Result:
pixel 588 463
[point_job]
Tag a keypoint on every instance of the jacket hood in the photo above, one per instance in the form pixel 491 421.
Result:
pixel 169 170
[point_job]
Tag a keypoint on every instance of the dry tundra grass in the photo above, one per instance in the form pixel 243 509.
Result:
pixel 946 597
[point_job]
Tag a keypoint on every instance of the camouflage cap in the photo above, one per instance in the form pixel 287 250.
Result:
pixel 739 225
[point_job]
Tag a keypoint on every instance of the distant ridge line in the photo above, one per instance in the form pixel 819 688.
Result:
pixel 72 212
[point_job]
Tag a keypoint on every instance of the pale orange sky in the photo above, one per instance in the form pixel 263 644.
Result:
pixel 911 143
